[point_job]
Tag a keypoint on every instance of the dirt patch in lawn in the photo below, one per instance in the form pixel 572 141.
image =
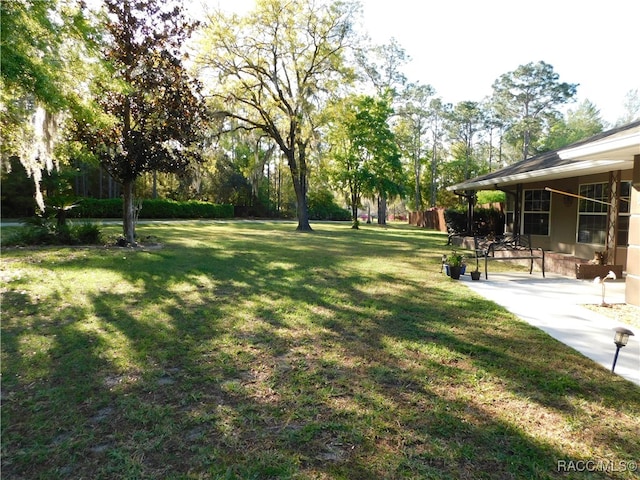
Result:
pixel 624 313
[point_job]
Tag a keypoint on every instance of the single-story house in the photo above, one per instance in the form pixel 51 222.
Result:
pixel 581 199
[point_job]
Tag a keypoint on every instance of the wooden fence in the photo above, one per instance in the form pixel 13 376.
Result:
pixel 432 219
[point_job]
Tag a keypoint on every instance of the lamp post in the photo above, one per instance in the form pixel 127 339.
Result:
pixel 620 339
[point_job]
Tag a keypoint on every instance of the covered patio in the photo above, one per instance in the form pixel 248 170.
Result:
pixel 576 203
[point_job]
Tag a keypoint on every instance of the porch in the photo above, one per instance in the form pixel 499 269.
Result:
pixel 560 263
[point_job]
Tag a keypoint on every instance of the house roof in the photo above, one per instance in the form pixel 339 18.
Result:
pixel 607 151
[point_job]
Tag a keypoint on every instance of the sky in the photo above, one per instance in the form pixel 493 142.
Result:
pixel 460 47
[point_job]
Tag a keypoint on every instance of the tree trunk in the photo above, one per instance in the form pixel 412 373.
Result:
pixel 525 147
pixel 299 175
pixel 354 207
pixel 417 169
pixel 434 169
pixel 128 224
pixel 303 211
pixel 354 210
pixel 154 191
pixel 418 193
pixel 382 210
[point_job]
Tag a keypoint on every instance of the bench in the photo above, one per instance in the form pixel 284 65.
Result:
pixel 518 246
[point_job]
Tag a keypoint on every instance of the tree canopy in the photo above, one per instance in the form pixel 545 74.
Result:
pixel 527 101
pixel 154 114
pixel 274 69
pixel 282 78
pixel 580 123
pixel 44 44
pixel 365 153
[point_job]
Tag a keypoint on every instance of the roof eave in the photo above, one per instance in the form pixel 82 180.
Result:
pixel 625 146
pixel 587 167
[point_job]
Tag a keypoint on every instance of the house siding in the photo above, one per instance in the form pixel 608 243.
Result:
pixel 632 291
pixel 562 236
pixel 564 212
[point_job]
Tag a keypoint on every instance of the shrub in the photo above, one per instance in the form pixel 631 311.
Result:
pixel 36 231
pixel 98 208
pixel 47 231
pixel 488 221
pixel 152 208
pixel 322 206
pixel 485 221
pixel 28 235
pixel 455 220
pixel 86 233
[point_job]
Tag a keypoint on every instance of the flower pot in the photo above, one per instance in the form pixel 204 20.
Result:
pixel 454 272
pixel 475 275
pixel 589 271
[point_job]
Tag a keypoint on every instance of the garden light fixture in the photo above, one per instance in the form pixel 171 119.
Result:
pixel 620 339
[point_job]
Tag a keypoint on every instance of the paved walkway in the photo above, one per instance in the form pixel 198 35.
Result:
pixel 554 304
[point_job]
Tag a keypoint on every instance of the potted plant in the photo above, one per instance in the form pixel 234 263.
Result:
pixel 475 275
pixel 456 264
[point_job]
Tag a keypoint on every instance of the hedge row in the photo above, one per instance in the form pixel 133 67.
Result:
pixel 112 208
pixel 328 212
pixel 322 206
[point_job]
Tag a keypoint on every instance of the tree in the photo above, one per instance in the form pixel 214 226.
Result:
pixel 347 169
pixel 153 122
pixel 382 66
pixel 438 113
pixel 366 155
pixel 492 124
pixel 464 123
pixel 275 69
pixel 631 107
pixel 414 114
pixel 527 99
pixel 581 123
pixel 45 46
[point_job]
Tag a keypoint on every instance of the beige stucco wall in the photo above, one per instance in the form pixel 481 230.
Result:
pixel 564 218
pixel 632 289
pixel 564 211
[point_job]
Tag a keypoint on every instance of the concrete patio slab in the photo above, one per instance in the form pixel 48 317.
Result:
pixel 555 304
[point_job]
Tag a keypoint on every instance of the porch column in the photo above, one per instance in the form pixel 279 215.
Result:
pixel 612 228
pixel 632 295
pixel 517 213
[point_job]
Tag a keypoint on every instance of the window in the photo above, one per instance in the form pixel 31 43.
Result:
pixel 624 209
pixel 510 214
pixel 537 205
pixel 592 216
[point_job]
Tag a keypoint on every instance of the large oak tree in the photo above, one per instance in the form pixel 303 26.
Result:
pixel 273 70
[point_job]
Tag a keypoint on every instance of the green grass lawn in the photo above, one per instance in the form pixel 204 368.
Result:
pixel 247 350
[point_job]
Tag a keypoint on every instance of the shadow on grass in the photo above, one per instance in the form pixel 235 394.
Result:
pixel 256 352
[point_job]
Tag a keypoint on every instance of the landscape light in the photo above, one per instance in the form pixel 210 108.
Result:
pixel 620 339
